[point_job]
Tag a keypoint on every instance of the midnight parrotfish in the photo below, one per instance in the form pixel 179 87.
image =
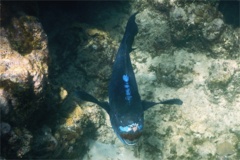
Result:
pixel 125 106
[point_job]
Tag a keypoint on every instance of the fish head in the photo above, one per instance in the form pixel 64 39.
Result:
pixel 128 127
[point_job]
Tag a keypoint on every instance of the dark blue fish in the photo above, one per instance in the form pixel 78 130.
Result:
pixel 125 107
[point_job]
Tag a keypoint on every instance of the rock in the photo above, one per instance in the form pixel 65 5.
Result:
pixel 19 143
pixel 178 14
pixel 220 74
pixel 191 17
pixel 160 33
pixel 76 121
pixel 23 80
pixel 5 106
pixel 227 45
pixel 63 93
pixel 175 71
pixel 198 128
pixel 23 74
pixel 225 148
pixel 44 143
pixel 233 89
pixel 5 129
pixel 213 29
pixel 206 149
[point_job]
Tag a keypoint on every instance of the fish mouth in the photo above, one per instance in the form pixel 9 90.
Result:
pixel 130 138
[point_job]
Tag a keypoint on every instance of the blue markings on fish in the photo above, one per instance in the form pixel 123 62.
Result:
pixel 127 88
pixel 125 106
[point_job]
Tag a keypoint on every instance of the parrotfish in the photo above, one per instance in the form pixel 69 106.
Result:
pixel 125 107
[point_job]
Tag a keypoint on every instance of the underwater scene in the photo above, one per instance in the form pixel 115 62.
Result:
pixel 120 80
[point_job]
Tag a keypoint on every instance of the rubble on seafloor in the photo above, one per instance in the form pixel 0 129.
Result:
pixel 184 49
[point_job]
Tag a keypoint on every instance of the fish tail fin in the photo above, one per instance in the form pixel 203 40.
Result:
pixel 130 32
pixel 132 27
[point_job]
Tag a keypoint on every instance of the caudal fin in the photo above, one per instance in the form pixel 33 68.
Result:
pixel 130 32
pixel 132 27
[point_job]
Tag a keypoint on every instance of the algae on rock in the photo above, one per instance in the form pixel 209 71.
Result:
pixel 23 80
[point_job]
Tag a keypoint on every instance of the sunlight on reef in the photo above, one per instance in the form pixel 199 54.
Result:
pixel 186 50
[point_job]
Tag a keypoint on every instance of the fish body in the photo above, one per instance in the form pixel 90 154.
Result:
pixel 126 111
pixel 125 107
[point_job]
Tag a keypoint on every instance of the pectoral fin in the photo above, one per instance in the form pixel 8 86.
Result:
pixel 148 104
pixel 87 97
pixel 172 101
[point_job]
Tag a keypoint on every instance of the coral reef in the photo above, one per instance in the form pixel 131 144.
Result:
pixel 16 143
pixel 200 26
pixel 23 79
pixel 184 49
pixel 161 38
pixel 221 73
pixel 23 34
pixel 194 64
pixel 44 143
pixel 5 129
pixel 177 70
